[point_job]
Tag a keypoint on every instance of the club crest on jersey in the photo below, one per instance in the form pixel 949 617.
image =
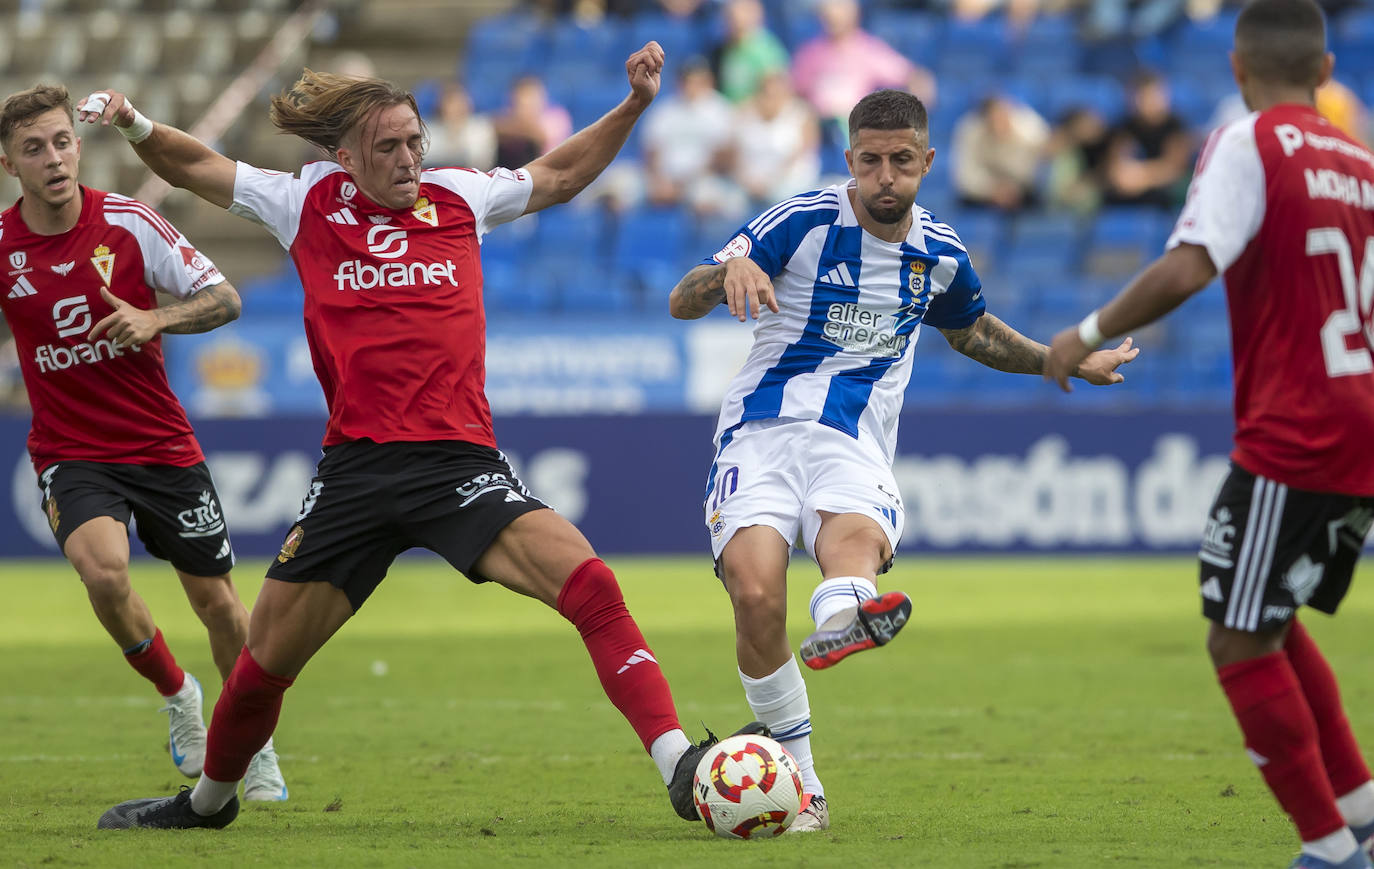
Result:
pixel 916 282
pixel 291 544
pixel 54 515
pixel 426 211
pixel 64 269
pixel 103 261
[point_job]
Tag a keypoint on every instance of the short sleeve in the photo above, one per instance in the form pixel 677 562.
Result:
pixel 1225 204
pixel 962 301
pixel 171 264
pixel 276 199
pixel 771 238
pixel 495 197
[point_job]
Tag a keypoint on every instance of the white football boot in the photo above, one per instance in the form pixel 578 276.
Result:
pixel 814 816
pixel 263 782
pixel 186 727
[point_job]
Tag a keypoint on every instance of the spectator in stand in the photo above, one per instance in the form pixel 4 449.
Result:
pixel 458 137
pixel 998 150
pixel 1077 152
pixel 846 63
pixel 776 130
pixel 748 53
pixel 1150 151
pixel 687 140
pixel 531 125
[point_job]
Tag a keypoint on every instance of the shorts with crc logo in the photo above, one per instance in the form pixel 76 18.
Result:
pixel 176 510
pixel 782 473
pixel 1269 549
pixel 370 502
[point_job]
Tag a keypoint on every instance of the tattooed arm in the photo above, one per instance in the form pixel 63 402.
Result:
pixel 739 282
pixel 130 325
pixel 995 344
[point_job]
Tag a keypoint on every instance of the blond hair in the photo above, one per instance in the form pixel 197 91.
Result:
pixel 322 108
pixel 24 106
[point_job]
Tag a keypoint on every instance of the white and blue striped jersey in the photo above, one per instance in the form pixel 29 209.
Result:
pixel 838 351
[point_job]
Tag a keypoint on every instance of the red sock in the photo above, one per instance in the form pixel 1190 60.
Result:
pixel 156 664
pixel 629 675
pixel 1345 765
pixel 1281 737
pixel 244 718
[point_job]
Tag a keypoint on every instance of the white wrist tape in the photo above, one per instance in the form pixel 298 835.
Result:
pixel 1090 333
pixel 139 129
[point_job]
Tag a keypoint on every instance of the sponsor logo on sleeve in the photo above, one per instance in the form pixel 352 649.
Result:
pixel 740 245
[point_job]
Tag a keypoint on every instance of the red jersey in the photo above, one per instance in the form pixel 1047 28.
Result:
pixel 1283 202
pixel 393 298
pixel 92 400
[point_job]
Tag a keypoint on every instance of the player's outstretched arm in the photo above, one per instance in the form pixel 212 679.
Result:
pixel 132 326
pixel 566 170
pixel 180 159
pixel 1164 285
pixel 739 282
pixel 995 344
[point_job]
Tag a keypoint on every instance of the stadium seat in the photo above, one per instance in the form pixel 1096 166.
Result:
pixel 1100 93
pixel 652 235
pixel 571 234
pixel 915 34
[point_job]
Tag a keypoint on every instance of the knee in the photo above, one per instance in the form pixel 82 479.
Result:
pixel 756 602
pixel 216 602
pixel 1227 646
pixel 107 582
pixel 868 542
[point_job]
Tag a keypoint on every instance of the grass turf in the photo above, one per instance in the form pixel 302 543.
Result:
pixel 1035 713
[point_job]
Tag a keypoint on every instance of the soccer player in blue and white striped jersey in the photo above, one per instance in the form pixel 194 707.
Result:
pixel 840 281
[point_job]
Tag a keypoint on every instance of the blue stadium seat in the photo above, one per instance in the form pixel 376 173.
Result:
pixel 1050 230
pixel 1353 44
pixel 1100 93
pixel 515 288
pixel 916 35
pixel 588 293
pixel 652 235
pixel 571 234
pixel 973 48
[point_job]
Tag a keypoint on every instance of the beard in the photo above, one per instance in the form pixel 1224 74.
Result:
pixel 889 214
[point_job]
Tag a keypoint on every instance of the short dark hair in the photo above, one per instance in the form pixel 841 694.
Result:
pixel 24 106
pixel 888 110
pixel 1282 41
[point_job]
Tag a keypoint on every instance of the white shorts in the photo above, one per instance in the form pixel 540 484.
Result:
pixel 783 473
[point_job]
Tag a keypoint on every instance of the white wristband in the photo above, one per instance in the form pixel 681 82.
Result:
pixel 1089 332
pixel 139 129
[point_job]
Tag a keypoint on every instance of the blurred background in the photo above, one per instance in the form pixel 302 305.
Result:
pixel 1065 134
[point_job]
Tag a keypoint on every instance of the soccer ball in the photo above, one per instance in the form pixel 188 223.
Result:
pixel 747 787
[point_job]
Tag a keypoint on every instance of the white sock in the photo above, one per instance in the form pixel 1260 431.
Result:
pixel 1357 807
pixel 210 796
pixel 779 700
pixel 667 751
pixel 838 594
pixel 1335 848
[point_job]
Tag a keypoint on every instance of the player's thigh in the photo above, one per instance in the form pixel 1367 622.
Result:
pixel 851 494
pixel 753 567
pixel 851 544
pixel 291 621
pixel 1269 549
pixel 534 555
pixel 88 513
pixel 179 518
pixel 345 534
pixel 757 479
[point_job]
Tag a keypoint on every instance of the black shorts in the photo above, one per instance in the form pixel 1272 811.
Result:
pixel 1269 549
pixel 370 502
pixel 176 509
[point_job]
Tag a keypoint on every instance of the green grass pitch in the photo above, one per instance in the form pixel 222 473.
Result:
pixel 1036 712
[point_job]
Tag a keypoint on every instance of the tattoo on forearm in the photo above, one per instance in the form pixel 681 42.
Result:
pixel 207 309
pixel 997 345
pixel 701 290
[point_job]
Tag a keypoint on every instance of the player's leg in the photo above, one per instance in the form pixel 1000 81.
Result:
pixel 542 555
pixel 1257 566
pixel 217 604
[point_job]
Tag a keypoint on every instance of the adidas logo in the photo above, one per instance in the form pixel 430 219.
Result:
pixel 22 288
pixel 512 495
pixel 639 657
pixel 1211 590
pixel 224 550
pixel 343 216
pixel 840 276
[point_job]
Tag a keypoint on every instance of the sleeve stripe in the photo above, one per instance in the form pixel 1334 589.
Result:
pixel 155 220
pixel 943 233
pixel 798 208
pixel 756 223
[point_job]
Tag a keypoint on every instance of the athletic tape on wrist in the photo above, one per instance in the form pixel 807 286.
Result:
pixel 1090 333
pixel 139 129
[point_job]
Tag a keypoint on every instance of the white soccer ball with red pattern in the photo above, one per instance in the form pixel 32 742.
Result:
pixel 748 787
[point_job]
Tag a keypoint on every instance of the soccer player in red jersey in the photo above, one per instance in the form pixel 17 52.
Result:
pixel 109 439
pixel 389 257
pixel 1282 205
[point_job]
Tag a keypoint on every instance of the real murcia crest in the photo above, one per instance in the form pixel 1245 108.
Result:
pixel 103 261
pixel 426 212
